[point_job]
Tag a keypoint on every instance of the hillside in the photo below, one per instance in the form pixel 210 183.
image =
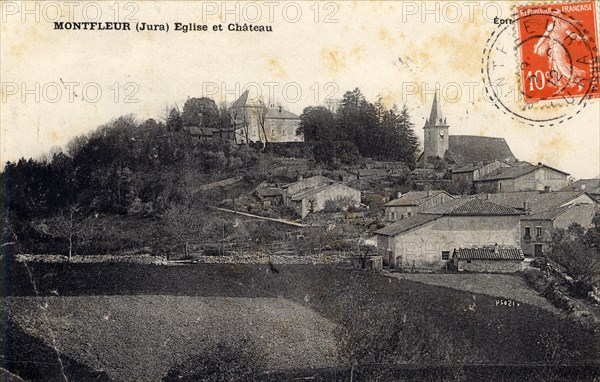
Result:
pixel 375 319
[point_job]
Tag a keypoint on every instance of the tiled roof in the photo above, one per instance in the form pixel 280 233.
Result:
pixel 412 198
pixel 312 191
pixel 277 113
pixel 470 206
pixel 554 213
pixel 488 253
pixel 538 201
pixel 465 149
pixel 514 172
pixel 406 224
pixel 588 185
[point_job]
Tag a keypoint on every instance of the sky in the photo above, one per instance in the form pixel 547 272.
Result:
pixel 57 84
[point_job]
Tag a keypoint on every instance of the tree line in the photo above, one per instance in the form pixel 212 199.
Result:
pixel 360 128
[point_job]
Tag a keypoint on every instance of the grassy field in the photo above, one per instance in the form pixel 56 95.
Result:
pixel 125 334
pixel 509 286
pixel 111 321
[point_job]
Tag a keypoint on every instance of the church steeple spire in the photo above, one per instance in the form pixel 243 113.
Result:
pixel 436 118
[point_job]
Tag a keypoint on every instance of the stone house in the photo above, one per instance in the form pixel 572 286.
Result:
pixel 523 178
pixel 544 211
pixel 413 202
pixel 255 122
pixel 536 229
pixel 493 259
pixel 312 194
pixel 427 240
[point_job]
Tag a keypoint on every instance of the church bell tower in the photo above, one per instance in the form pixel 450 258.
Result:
pixel 436 132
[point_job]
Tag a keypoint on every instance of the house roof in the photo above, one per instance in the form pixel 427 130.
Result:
pixel 240 102
pixel 514 172
pixel 312 191
pixel 316 178
pixel 474 166
pixel 547 215
pixel 488 253
pixel 465 149
pixel 470 206
pixel 279 113
pixel 588 185
pixel 413 198
pixel 272 112
pixel 406 224
pixel 554 213
pixel 538 201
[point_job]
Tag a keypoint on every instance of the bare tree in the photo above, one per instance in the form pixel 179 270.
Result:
pixel 260 112
pixel 184 224
pixel 69 224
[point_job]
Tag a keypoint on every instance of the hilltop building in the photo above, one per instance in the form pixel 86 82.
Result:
pixel 256 122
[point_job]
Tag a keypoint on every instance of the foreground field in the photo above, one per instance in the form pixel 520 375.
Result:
pixel 125 334
pixel 134 322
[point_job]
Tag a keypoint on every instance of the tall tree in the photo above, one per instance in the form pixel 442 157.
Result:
pixel 317 123
pixel 174 120
pixel 201 112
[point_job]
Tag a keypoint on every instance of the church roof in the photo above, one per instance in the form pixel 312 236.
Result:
pixel 436 117
pixel 465 149
pixel 240 102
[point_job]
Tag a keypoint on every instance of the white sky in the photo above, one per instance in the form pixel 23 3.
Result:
pixel 360 47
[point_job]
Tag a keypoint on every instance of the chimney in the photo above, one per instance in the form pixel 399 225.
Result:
pixel 279 108
pixel 546 188
pixel 428 193
pixel 526 206
pixel 496 248
pixel 399 194
pixel 488 196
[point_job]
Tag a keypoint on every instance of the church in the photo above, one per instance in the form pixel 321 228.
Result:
pixel 459 150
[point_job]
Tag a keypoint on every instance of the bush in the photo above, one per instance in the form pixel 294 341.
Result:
pixel 341 203
pixel 222 362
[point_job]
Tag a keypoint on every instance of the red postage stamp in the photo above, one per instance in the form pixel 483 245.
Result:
pixel 558 51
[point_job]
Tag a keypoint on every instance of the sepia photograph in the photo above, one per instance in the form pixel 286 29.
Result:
pixel 300 190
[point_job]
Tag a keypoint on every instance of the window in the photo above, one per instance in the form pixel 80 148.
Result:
pixel 408 214
pixel 538 231
pixel 445 255
pixel 527 233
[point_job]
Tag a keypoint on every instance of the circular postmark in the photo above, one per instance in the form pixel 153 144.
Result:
pixel 544 71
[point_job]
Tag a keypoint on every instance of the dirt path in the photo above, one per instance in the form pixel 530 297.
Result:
pixel 509 287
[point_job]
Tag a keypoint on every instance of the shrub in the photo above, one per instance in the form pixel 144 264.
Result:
pixel 341 203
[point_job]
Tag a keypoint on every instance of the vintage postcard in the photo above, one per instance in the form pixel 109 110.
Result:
pixel 300 190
